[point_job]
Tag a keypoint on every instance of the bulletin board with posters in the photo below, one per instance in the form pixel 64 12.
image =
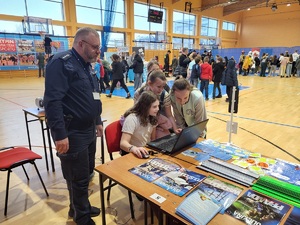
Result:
pixel 19 52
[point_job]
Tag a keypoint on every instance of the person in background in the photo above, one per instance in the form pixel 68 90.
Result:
pixel 47 45
pixel 297 65
pixel 118 70
pixel 73 109
pixel 107 73
pixel 188 104
pixel 263 64
pixel 138 69
pixel 295 56
pixel 206 76
pixel 174 64
pixel 274 62
pixel 139 125
pixel 167 63
pixel 257 63
pixel 218 70
pixel 289 66
pixel 241 62
pixel 41 64
pixel 230 78
pixel 125 64
pixel 196 71
pixel 192 57
pixel 283 64
pixel 100 74
pixel 183 62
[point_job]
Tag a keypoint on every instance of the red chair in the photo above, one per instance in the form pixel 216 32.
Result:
pixel 12 157
pixel 113 133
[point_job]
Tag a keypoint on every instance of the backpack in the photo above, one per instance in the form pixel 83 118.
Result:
pixel 196 71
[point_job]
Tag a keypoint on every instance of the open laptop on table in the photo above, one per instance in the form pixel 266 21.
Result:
pixel 175 142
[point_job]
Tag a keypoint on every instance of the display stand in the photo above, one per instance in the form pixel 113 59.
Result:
pixel 231 126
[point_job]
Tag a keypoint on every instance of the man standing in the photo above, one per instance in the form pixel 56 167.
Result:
pixel 138 69
pixel 73 109
pixel 241 62
pixel 47 45
pixel 41 64
pixel 167 63
pixel 295 56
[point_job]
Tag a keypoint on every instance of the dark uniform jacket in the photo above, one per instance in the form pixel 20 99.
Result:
pixel 138 65
pixel 117 70
pixel 68 97
pixel 230 74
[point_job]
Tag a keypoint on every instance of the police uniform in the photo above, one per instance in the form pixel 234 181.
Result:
pixel 73 112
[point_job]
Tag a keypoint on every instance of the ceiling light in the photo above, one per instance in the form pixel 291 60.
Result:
pixel 248 9
pixel 274 7
pixel 288 4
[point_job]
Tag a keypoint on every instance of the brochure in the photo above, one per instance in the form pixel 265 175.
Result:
pixel 223 192
pixel 294 217
pixel 198 208
pixel 153 169
pixel 179 182
pixel 255 208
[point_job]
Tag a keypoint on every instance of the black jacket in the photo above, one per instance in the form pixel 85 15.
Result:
pixel 230 74
pixel 117 70
pixel 138 64
pixel 218 69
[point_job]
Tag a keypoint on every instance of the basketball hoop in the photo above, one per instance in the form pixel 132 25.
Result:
pixel 42 34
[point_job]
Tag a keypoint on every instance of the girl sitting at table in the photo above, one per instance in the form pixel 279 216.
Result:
pixel 188 103
pixel 139 125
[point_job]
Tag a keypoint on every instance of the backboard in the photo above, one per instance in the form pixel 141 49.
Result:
pixel 36 25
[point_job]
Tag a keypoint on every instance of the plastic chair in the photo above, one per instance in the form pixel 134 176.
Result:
pixel 12 157
pixel 113 133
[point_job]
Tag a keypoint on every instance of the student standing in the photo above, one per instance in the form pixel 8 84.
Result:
pixel 138 69
pixel 117 75
pixel 73 109
pixel 206 76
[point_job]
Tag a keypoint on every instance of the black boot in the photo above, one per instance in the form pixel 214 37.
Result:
pixel 128 95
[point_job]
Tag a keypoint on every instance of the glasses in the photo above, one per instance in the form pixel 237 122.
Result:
pixel 95 47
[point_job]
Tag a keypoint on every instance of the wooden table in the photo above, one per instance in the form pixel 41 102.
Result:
pixel 39 115
pixel 117 170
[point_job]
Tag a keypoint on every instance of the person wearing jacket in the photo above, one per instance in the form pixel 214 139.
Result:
pixel 206 76
pixel 183 62
pixel 230 78
pixel 218 69
pixel 117 75
pixel 138 69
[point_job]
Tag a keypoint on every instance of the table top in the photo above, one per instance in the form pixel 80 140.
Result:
pixel 146 189
pixel 35 111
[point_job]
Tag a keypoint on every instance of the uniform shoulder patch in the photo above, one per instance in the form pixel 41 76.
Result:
pixel 66 56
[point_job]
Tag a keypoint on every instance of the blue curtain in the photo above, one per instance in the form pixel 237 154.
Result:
pixel 109 16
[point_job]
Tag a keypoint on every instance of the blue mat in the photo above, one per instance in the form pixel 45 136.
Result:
pixel 122 93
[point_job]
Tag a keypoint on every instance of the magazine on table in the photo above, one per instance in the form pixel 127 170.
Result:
pixel 153 169
pixel 179 182
pixel 255 208
pixel 294 217
pixel 223 192
pixel 198 208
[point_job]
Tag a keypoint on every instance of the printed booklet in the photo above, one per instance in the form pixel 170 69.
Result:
pixel 223 192
pixel 153 169
pixel 255 208
pixel 179 182
pixel 198 208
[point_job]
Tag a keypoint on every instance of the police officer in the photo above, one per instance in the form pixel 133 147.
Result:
pixel 73 109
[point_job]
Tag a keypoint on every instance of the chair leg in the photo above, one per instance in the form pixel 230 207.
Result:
pixel 108 191
pixel 25 172
pixel 40 177
pixel 131 205
pixel 6 195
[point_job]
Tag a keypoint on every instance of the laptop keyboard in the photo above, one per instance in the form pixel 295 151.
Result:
pixel 168 145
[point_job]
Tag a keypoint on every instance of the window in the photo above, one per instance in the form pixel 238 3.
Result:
pixel 179 43
pixel 209 27
pixel 13 7
pixel 10 27
pixel 116 40
pixel 52 9
pixel 229 26
pixel 93 12
pixel 184 23
pixel 59 30
pixel 141 18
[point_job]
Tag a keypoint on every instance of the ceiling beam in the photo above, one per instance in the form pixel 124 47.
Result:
pixel 242 5
pixel 207 4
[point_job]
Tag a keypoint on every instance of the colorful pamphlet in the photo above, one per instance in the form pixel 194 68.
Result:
pixel 223 192
pixel 255 208
pixel 294 217
pixel 179 182
pixel 154 168
pixel 198 208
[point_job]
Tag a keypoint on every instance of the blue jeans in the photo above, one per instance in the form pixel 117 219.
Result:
pixel 204 86
pixel 137 80
pixel 76 165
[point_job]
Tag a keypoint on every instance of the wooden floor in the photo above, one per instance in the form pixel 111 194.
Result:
pixel 268 120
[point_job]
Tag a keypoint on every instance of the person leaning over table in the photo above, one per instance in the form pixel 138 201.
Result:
pixel 139 125
pixel 187 103
pixel 156 83
pixel 73 109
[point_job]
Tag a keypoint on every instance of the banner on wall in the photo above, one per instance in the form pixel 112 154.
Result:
pixel 139 50
pixel 123 49
pixel 18 52
pixel 7 45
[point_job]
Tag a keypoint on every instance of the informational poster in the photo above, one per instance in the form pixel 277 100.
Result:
pixel 25 46
pixel 7 45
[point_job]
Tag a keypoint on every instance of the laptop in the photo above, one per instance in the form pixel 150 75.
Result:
pixel 175 142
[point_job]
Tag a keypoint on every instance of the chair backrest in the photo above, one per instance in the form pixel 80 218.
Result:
pixel 113 133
